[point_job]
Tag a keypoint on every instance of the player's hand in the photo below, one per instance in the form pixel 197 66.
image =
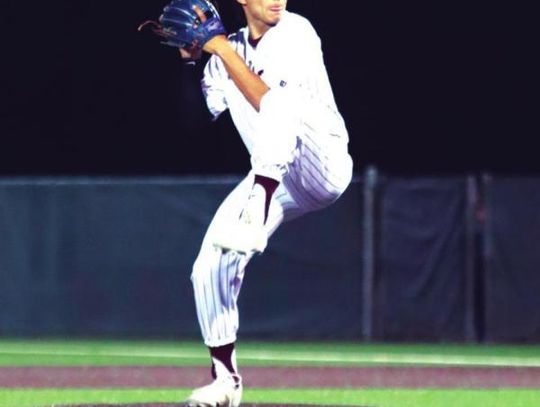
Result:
pixel 188 25
pixel 211 45
pixel 191 53
pixel 194 52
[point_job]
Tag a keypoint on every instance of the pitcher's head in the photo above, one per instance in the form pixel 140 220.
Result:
pixel 263 12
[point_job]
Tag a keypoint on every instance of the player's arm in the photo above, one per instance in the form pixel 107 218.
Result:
pixel 248 82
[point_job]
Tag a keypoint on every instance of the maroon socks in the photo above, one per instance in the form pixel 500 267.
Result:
pixel 223 354
pixel 269 185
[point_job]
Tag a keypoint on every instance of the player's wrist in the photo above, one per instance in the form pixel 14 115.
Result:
pixel 217 45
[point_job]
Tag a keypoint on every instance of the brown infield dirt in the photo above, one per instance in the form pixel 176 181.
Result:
pixel 270 377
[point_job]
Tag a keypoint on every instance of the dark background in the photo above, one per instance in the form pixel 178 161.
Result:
pixel 424 88
pixel 439 88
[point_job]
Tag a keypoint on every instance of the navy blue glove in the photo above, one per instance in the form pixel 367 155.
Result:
pixel 181 26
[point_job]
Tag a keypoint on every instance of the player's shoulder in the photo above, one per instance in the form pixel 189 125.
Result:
pixel 297 22
pixel 297 32
pixel 291 17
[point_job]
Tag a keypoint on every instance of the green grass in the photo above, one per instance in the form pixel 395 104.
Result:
pixel 154 353
pixel 143 353
pixel 336 397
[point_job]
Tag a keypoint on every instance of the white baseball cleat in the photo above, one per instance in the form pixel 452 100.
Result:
pixel 246 235
pixel 225 391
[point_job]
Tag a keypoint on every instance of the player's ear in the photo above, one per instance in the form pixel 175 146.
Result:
pixel 241 2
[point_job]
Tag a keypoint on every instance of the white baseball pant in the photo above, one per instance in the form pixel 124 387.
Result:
pixel 315 169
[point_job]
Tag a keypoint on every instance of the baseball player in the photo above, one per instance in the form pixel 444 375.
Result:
pixel 272 78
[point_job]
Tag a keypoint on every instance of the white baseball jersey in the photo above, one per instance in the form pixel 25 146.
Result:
pixel 298 137
pixel 289 60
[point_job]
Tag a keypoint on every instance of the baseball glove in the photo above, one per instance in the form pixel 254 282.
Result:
pixel 187 23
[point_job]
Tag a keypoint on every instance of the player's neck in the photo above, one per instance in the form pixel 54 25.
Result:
pixel 256 30
pixel 253 42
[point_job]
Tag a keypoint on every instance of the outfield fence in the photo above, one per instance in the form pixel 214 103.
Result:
pixel 395 259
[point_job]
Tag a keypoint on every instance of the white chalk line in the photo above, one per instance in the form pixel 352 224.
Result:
pixel 295 357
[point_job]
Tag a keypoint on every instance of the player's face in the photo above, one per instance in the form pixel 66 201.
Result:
pixel 266 12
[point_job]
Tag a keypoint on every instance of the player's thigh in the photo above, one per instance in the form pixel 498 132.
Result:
pixel 283 207
pixel 321 171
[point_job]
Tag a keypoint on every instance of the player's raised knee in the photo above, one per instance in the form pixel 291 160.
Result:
pixel 341 179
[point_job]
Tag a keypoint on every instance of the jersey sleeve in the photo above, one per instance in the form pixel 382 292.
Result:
pixel 213 87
